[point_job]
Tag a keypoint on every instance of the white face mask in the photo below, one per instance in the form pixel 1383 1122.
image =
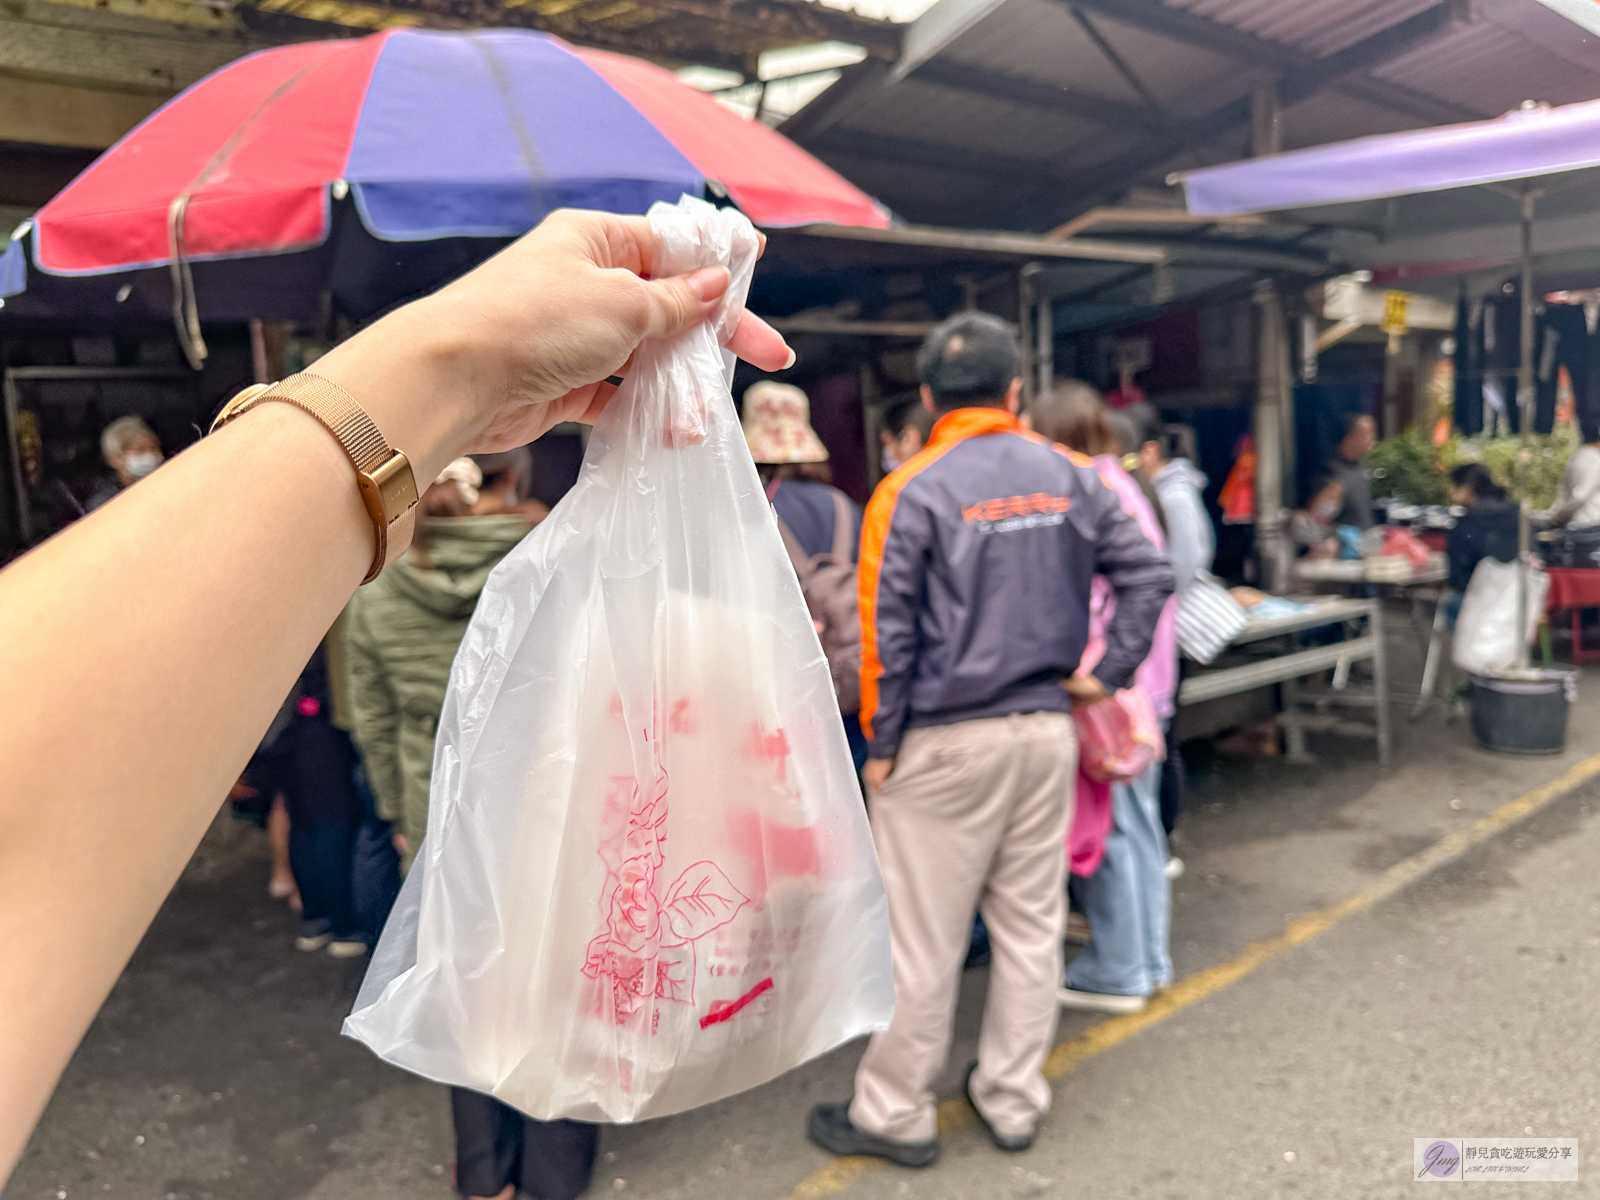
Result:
pixel 890 462
pixel 140 465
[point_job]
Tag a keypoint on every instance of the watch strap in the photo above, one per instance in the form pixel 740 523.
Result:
pixel 384 476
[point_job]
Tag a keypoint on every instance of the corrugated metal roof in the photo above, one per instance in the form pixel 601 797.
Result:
pixel 1318 27
pixel 1490 68
pixel 1332 117
pixel 976 123
pixel 1040 40
pixel 1105 108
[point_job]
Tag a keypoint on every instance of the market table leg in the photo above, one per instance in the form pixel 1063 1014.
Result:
pixel 1430 666
pixel 1380 685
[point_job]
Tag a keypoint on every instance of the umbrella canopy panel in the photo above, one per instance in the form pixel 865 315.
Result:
pixel 436 135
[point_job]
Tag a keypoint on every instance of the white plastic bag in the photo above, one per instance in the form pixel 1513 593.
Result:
pixel 648 881
pixel 1485 640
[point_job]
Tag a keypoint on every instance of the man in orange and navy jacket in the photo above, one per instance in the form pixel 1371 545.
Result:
pixel 975 569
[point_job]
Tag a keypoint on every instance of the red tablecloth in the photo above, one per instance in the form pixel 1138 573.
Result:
pixel 1573 587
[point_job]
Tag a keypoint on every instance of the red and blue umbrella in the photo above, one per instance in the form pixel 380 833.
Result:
pixel 429 136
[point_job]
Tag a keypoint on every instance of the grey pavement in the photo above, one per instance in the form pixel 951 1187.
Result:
pixel 1464 1006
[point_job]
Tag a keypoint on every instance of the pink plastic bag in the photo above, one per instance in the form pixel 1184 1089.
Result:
pixel 1091 822
pixel 1119 737
pixel 1400 542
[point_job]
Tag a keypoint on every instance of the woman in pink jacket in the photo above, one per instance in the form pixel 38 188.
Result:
pixel 1126 897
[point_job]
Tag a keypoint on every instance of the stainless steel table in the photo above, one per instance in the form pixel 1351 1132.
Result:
pixel 1307 709
pixel 1422 587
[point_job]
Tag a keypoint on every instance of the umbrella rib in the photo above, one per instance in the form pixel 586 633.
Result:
pixel 519 128
pixel 226 151
pixel 185 308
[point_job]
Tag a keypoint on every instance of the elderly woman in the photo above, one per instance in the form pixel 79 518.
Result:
pixel 132 450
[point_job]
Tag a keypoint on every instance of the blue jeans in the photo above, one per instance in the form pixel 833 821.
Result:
pixel 1451 603
pixel 1128 900
pixel 324 817
pixel 375 874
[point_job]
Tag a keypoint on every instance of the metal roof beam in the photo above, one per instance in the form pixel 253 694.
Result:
pixel 1152 16
pixel 797 19
pixel 1030 93
pixel 662 41
pixel 1121 173
pixel 983 242
pixel 1012 172
pixel 710 34
pixel 856 85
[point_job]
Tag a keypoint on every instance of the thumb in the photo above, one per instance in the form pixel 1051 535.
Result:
pixel 676 304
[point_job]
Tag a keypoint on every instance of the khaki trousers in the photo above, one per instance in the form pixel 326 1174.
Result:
pixel 973 818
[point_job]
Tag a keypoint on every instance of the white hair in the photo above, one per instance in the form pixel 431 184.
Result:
pixel 114 438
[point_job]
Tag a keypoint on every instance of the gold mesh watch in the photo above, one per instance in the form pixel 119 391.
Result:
pixel 388 488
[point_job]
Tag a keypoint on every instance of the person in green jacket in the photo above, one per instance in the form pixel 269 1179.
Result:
pixel 402 632
pixel 403 628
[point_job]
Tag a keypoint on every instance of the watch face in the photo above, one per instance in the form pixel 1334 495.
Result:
pixel 235 406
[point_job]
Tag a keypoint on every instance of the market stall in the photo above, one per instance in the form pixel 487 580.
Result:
pixel 1478 180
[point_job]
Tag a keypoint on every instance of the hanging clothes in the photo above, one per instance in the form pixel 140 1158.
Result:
pixel 1469 366
pixel 1577 329
pixel 1502 351
pixel 1489 352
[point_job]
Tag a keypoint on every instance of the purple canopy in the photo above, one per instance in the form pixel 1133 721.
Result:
pixel 1522 143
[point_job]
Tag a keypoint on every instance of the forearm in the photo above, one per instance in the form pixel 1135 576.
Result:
pixel 154 664
pixel 146 648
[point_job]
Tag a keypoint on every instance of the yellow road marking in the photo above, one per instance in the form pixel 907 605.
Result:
pixel 841 1173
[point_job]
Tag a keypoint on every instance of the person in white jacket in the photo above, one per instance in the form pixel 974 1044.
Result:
pixel 1191 543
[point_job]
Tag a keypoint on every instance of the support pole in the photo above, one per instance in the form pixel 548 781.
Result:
pixel 1027 296
pixel 1272 543
pixel 1309 348
pixel 1266 120
pixel 1525 418
pixel 1044 356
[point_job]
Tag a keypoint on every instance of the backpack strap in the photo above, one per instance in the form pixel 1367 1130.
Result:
pixel 843 528
pixel 803 566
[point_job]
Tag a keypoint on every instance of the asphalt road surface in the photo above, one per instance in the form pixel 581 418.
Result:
pixel 1463 1005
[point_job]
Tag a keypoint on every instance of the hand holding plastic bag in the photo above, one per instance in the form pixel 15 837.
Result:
pixel 1119 737
pixel 647 881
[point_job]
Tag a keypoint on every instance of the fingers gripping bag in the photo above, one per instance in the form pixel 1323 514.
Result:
pixel 647 881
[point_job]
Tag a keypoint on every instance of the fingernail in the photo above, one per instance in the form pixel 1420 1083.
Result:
pixel 710 282
pixel 789 362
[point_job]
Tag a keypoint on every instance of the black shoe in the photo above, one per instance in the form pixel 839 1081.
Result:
pixel 1011 1145
pixel 829 1127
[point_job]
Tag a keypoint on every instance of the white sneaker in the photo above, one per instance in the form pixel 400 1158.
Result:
pixel 1174 868
pixel 346 948
pixel 310 942
pixel 1100 1001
